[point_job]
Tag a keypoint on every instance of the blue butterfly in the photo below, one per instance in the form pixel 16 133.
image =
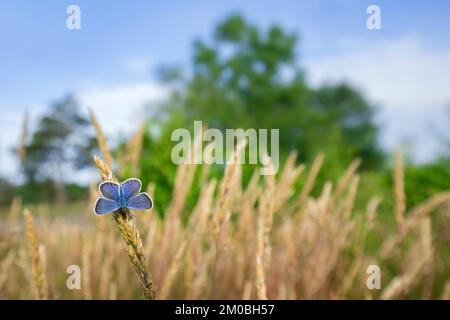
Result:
pixel 123 195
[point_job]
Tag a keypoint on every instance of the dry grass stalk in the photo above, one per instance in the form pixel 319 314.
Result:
pixel 417 213
pixel 247 292
pixel 133 150
pixel 261 290
pixel 198 222
pixel 446 291
pixel 40 281
pixel 371 211
pixel 344 181
pixel 189 272
pixel 425 208
pixel 101 139
pixel 171 274
pixel 206 168
pixel 183 180
pixel 112 291
pixel 135 250
pixel 86 268
pixel 133 242
pixel 263 246
pixel 43 256
pixel 401 284
pixel 15 208
pixel 246 230
pixel 267 209
pixel 421 257
pixel 222 211
pixel 287 179
pixel 349 278
pixel 309 184
pixel 350 200
pixel 5 266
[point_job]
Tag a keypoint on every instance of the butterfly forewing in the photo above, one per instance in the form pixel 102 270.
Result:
pixel 140 202
pixel 110 190
pixel 104 206
pixel 124 195
pixel 131 188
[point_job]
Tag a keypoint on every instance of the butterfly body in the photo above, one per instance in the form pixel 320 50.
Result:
pixel 125 195
pixel 123 202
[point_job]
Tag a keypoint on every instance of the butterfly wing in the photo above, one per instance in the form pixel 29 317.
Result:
pixel 131 188
pixel 104 206
pixel 140 202
pixel 110 190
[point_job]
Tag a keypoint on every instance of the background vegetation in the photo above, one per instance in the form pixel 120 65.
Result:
pixel 244 77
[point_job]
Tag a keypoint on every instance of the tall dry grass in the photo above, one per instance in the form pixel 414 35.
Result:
pixel 124 218
pixel 262 240
pixel 37 258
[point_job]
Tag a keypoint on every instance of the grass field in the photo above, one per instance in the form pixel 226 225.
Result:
pixel 255 243
pixel 261 241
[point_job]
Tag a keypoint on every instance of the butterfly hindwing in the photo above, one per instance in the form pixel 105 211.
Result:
pixel 131 188
pixel 140 202
pixel 110 190
pixel 115 196
pixel 104 206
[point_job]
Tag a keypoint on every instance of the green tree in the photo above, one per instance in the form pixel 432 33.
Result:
pixel 246 77
pixel 60 142
pixel 6 191
pixel 249 78
pixel 346 117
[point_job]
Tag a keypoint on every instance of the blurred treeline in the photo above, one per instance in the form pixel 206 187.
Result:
pixel 242 77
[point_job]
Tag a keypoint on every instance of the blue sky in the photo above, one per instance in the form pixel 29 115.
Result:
pixel 404 68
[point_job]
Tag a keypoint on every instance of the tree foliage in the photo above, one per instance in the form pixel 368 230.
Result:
pixel 60 143
pixel 246 77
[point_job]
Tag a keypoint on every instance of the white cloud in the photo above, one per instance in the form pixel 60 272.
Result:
pixel 119 108
pixel 408 80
